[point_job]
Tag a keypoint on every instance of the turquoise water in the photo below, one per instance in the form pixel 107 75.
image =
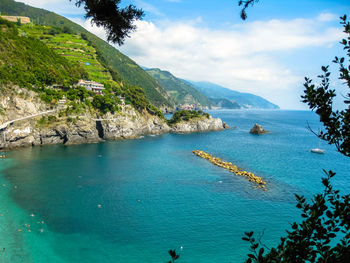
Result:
pixel 132 200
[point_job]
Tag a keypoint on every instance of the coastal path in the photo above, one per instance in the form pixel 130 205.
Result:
pixel 5 124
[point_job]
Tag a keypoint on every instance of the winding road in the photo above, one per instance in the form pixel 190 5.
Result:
pixel 5 124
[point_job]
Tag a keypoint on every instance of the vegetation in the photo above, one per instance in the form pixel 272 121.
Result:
pixel 180 91
pixel 72 52
pixel 28 62
pixel 186 115
pixel 173 256
pixel 128 70
pixel 246 4
pixel 324 233
pixel 117 22
pixel 73 47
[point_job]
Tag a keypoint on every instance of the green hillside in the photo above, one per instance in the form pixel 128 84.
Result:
pixel 28 62
pixel 73 47
pixel 182 92
pixel 36 57
pixel 114 59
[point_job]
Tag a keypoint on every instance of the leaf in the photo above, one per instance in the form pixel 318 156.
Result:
pixel 252 256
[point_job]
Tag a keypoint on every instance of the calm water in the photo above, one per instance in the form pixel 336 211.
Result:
pixel 132 200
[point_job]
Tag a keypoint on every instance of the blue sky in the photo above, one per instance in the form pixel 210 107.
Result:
pixel 268 55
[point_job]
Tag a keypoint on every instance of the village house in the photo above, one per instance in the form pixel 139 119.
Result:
pixel 91 85
pixel 22 19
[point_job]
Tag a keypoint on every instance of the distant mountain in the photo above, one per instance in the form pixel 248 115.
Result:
pixel 225 103
pixel 246 100
pixel 114 59
pixel 181 91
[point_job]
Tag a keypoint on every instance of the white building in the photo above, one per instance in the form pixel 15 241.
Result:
pixel 91 85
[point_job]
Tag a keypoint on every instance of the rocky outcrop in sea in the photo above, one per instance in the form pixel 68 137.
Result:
pixel 258 129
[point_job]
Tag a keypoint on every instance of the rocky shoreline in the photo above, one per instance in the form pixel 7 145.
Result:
pixel 86 127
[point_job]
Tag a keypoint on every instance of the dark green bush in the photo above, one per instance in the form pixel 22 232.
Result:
pixel 186 115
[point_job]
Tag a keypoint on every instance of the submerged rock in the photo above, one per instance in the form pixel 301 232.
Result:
pixel 258 129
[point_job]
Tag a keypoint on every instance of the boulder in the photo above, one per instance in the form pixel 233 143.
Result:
pixel 258 129
pixel 225 125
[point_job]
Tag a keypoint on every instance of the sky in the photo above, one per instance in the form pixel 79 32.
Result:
pixel 269 54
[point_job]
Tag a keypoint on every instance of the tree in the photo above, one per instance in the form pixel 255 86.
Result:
pixel 245 5
pixel 118 22
pixel 324 233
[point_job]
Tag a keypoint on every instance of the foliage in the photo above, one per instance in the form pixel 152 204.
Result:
pixel 136 96
pixel 78 93
pixel 181 91
pixel 324 233
pixel 246 4
pixel 106 103
pixel 186 115
pixel 320 98
pixel 28 62
pixel 118 22
pixel 128 70
pixel 173 256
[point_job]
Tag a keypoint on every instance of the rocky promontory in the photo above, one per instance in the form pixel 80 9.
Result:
pixel 54 126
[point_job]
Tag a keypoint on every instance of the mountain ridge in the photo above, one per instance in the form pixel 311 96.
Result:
pixel 182 92
pixel 246 100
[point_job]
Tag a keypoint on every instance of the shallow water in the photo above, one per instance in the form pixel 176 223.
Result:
pixel 132 200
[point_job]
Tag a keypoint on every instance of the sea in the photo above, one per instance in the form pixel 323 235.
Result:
pixel 131 201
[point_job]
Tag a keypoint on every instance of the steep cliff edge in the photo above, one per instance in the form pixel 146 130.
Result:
pixel 45 126
pixel 198 125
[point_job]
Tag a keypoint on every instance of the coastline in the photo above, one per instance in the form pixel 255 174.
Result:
pixel 27 121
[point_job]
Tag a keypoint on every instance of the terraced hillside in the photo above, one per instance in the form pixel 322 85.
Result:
pixel 28 62
pixel 74 48
pixel 127 68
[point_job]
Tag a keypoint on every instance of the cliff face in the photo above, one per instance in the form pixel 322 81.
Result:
pixel 201 124
pixel 85 127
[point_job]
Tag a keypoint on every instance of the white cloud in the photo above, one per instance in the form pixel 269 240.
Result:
pixel 242 57
pixel 86 23
pixel 58 6
pixel 327 17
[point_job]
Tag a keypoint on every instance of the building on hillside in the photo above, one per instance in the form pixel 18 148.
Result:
pixel 187 107
pixel 62 103
pixel 22 19
pixel 91 85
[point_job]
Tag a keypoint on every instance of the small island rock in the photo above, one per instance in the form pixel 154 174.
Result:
pixel 258 129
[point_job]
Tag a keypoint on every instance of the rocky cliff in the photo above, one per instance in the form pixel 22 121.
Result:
pixel 200 124
pixel 86 127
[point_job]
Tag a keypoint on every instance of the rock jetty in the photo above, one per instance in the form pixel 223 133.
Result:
pixel 258 129
pixel 260 183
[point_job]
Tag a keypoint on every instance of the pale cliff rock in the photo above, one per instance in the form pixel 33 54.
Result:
pixel 258 129
pixel 201 124
pixel 88 127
